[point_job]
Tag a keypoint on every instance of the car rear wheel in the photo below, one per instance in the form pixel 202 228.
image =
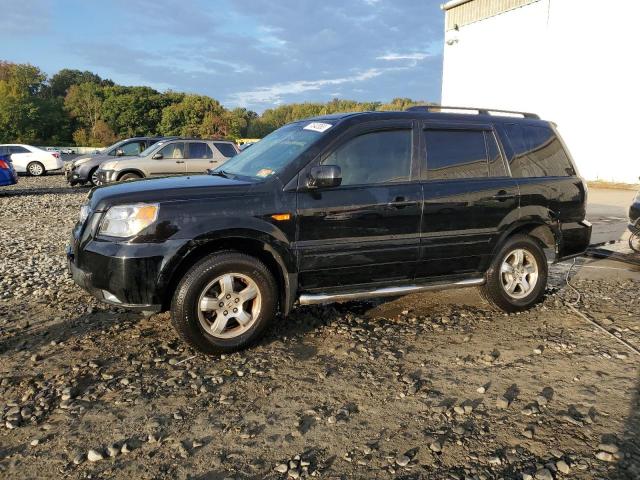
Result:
pixel 518 274
pixel 224 302
pixel 129 176
pixel 35 169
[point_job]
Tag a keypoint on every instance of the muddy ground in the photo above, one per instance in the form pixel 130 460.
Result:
pixel 433 386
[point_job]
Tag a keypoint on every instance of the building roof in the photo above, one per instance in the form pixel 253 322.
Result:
pixel 463 12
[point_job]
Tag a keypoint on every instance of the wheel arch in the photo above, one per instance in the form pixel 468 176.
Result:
pixel 131 170
pixel 547 235
pixel 252 244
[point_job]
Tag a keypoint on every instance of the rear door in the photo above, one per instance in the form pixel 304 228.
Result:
pixel 469 198
pixel 365 231
pixel 20 157
pixel 199 157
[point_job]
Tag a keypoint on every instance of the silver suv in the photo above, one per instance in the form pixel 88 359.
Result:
pixel 176 156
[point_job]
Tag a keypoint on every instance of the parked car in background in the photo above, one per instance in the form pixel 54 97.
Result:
pixel 83 170
pixel 8 174
pixel 32 160
pixel 634 224
pixel 336 208
pixel 68 151
pixel 178 156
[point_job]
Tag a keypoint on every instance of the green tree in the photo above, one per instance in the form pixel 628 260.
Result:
pixel 60 82
pixel 84 103
pixel 188 116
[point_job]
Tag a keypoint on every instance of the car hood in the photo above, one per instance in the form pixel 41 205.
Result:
pixel 92 159
pixel 166 189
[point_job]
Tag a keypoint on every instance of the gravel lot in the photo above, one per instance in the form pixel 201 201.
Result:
pixel 432 386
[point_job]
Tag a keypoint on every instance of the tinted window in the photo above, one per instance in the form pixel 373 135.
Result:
pixel 4 150
pixel 132 148
pixel 377 157
pixel 173 150
pixel 226 149
pixel 537 152
pixel 18 150
pixel 456 154
pixel 199 150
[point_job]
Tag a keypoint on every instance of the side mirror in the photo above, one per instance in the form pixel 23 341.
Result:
pixel 324 176
pixel 157 156
pixel 119 152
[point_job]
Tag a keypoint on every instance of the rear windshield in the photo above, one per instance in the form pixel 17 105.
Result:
pixel 275 151
pixel 538 152
pixel 226 149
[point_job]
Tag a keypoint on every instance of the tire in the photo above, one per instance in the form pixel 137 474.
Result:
pixel 634 242
pixel 505 286
pixel 129 176
pixel 93 180
pixel 202 305
pixel 36 169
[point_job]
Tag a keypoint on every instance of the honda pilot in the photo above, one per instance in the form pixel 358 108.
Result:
pixel 336 208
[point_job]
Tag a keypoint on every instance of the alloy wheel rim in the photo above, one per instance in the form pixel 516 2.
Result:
pixel 94 178
pixel 519 273
pixel 229 305
pixel 35 169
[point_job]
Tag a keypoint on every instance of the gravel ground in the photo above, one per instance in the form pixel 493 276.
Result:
pixel 433 386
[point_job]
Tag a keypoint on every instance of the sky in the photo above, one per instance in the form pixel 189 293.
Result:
pixel 249 53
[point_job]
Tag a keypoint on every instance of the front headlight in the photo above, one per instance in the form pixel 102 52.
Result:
pixel 128 220
pixel 80 161
pixel 85 210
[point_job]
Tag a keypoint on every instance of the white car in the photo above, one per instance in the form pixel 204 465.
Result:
pixel 32 160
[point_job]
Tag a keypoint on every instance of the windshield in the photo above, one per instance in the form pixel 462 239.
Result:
pixel 275 151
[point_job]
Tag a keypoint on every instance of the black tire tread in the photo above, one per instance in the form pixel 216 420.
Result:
pixel 191 331
pixel 491 291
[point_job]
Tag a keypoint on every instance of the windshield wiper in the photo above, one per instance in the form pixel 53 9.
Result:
pixel 219 173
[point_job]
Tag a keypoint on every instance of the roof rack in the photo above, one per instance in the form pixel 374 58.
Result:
pixel 481 111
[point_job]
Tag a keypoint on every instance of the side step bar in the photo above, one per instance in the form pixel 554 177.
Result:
pixel 314 299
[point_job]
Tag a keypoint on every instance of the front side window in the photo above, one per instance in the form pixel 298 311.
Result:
pixel 226 149
pixel 200 150
pixel 173 150
pixel 373 158
pixel 455 154
pixel 537 152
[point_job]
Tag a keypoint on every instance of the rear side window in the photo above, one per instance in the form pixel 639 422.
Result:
pixel 16 149
pixel 199 150
pixel 537 152
pixel 226 149
pixel 373 158
pixel 453 154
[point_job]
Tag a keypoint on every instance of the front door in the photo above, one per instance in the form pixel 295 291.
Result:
pixel 172 161
pixel 469 199
pixel 366 231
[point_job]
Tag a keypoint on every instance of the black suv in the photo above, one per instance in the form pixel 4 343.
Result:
pixel 83 170
pixel 335 208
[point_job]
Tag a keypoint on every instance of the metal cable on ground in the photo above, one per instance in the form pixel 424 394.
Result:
pixel 572 307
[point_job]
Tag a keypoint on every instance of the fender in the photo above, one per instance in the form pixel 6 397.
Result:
pixel 131 170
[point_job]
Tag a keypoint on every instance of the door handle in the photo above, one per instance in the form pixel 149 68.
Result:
pixel 502 195
pixel 398 202
pixel 179 161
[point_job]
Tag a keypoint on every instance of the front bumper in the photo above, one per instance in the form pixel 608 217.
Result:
pixel 108 286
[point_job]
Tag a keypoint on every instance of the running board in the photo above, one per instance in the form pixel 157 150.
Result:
pixel 314 299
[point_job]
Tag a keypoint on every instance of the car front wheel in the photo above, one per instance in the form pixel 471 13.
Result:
pixel 35 169
pixel 518 274
pixel 224 302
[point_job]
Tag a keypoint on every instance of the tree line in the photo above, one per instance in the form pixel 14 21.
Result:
pixel 80 107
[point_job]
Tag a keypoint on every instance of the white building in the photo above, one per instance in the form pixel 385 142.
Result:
pixel 575 62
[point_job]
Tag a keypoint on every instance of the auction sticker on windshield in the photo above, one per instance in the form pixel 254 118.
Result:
pixel 318 127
